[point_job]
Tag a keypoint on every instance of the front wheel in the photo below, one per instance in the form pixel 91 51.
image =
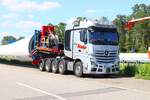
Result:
pixel 78 69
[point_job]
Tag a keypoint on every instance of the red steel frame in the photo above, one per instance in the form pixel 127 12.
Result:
pixel 131 23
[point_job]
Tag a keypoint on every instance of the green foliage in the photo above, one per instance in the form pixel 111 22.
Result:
pixel 60 30
pixel 143 71
pixel 7 39
pixel 81 18
pixel 120 22
pixel 135 70
pixel 50 24
pixel 139 37
pixel 104 20
pixel 128 69
pixel 20 38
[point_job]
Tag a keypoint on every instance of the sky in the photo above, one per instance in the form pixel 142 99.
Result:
pixel 22 17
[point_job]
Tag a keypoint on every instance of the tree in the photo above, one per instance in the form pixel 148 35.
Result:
pixel 20 38
pixel 138 38
pixel 140 10
pixel 60 30
pixel 8 39
pixel 81 18
pixel 141 29
pixel 104 20
pixel 50 24
pixel 120 22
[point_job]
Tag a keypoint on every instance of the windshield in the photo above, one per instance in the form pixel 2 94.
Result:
pixel 103 38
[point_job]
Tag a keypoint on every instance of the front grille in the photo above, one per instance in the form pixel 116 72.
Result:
pixel 101 57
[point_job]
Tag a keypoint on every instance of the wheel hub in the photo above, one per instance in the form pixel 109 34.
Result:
pixel 60 67
pixel 78 69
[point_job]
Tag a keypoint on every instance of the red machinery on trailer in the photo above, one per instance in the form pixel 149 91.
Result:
pixel 41 48
pixel 131 24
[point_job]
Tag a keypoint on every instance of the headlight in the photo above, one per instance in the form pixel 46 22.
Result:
pixel 117 64
pixel 93 62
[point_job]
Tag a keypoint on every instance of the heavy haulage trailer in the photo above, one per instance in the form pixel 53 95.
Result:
pixel 89 48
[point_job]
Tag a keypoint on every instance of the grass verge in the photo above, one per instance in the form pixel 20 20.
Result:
pixel 14 62
pixel 137 70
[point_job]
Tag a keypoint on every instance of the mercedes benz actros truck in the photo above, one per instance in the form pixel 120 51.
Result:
pixel 89 48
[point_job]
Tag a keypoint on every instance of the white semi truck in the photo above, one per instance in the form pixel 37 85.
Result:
pixel 89 48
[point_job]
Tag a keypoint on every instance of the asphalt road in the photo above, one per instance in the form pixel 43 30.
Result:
pixel 28 83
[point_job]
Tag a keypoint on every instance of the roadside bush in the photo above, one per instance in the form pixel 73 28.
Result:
pixel 143 71
pixel 128 69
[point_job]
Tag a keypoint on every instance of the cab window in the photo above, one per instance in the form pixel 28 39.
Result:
pixel 83 35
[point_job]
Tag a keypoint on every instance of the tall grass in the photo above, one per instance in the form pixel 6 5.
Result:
pixel 128 69
pixel 135 70
pixel 143 71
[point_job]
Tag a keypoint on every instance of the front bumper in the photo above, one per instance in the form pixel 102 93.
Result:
pixel 104 69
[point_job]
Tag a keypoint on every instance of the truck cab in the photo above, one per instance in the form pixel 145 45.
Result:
pixel 93 48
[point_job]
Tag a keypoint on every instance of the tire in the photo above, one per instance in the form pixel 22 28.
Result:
pixel 62 67
pixel 78 69
pixel 55 66
pixel 42 66
pixel 48 67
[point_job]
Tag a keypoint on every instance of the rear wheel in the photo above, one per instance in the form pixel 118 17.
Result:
pixel 42 66
pixel 78 69
pixel 54 66
pixel 62 67
pixel 48 65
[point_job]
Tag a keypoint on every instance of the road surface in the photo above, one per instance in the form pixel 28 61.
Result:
pixel 28 83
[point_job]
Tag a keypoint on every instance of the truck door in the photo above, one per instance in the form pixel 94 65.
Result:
pixel 80 48
pixel 68 43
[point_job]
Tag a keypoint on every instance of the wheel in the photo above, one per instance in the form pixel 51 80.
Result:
pixel 48 67
pixel 42 66
pixel 62 67
pixel 54 66
pixel 78 69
